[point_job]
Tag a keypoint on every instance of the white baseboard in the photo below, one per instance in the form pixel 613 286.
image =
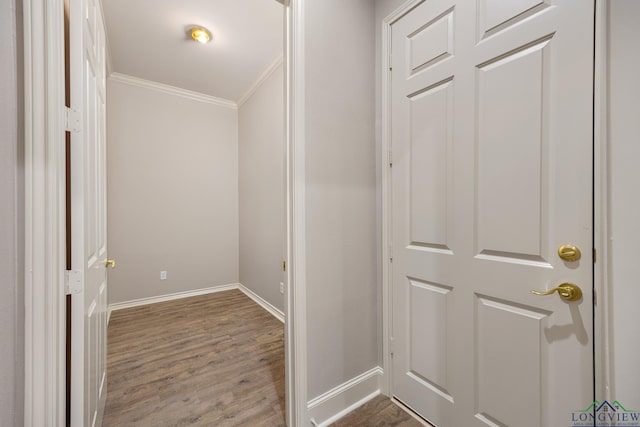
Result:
pixel 262 302
pixel 336 403
pixel 178 295
pixel 170 297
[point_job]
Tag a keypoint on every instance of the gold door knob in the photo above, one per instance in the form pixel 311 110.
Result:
pixel 110 263
pixel 567 291
pixel 569 252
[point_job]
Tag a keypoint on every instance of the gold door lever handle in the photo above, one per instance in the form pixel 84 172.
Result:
pixel 567 291
pixel 110 263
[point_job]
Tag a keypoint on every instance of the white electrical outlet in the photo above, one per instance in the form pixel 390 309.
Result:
pixel 281 288
pixel 163 275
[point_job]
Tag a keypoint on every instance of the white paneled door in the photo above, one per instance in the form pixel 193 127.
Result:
pixel 88 213
pixel 491 138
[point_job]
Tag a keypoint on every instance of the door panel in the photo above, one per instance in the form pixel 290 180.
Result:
pixel 428 324
pixel 88 214
pixel 496 15
pixel 502 398
pixel 432 42
pixel 491 124
pixel 512 205
pixel 429 165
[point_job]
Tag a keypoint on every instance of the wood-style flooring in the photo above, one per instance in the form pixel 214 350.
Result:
pixel 210 360
pixel 378 412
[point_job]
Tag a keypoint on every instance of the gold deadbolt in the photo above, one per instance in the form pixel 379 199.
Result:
pixel 567 291
pixel 110 263
pixel 569 253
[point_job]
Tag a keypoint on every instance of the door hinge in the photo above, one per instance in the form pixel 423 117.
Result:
pixel 73 282
pixel 72 120
pixel 391 346
pixel 390 63
pixel 595 298
pixel 284 266
pixel 390 158
pixel 390 252
pixel 595 255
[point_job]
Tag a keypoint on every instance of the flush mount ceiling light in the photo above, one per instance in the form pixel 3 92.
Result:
pixel 200 34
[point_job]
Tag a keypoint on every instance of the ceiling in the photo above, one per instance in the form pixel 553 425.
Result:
pixel 149 39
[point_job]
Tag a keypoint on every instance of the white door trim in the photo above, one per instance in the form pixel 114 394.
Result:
pixel 602 326
pixel 295 304
pixel 602 301
pixel 387 379
pixel 44 213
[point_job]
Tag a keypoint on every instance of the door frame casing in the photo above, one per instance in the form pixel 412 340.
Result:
pixel 45 256
pixel 385 155
pixel 45 209
pixel 602 333
pixel 602 326
pixel 295 301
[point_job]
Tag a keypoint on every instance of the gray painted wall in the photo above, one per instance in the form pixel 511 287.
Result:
pixel 11 216
pixel 262 189
pixel 342 308
pixel 172 193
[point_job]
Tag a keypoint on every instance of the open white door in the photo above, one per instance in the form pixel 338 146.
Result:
pixel 491 135
pixel 88 214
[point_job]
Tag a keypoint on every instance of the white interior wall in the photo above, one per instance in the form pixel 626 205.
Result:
pixel 340 188
pixel 262 189
pixel 172 193
pixel 11 216
pixel 624 204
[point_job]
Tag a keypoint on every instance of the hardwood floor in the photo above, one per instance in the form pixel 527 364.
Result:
pixel 211 360
pixel 378 412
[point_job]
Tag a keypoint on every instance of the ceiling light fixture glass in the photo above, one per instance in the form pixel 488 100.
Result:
pixel 200 34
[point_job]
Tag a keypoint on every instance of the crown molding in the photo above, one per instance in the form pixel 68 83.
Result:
pixel 260 80
pixel 172 90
